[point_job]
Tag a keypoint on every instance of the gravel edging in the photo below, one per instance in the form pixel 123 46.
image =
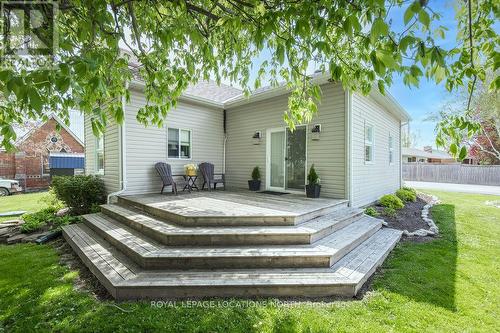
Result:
pixel 433 228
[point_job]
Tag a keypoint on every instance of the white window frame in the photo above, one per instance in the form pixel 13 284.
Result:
pixel 391 149
pixel 369 143
pixel 179 129
pixel 98 151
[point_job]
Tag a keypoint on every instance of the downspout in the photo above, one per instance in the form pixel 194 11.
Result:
pixel 401 124
pixel 224 144
pixel 348 151
pixel 123 155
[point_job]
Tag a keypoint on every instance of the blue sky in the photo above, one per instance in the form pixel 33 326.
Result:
pixel 429 97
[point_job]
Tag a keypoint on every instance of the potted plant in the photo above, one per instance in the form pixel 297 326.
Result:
pixel 313 187
pixel 190 169
pixel 254 184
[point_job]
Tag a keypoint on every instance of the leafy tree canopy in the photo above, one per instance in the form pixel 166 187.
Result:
pixel 180 42
pixel 481 107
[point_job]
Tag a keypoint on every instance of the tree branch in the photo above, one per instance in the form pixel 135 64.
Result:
pixel 471 45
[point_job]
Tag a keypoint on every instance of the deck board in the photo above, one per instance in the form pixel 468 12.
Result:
pixel 233 208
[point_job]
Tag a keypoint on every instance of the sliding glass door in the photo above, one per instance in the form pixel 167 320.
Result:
pixel 277 160
pixel 295 159
pixel 287 159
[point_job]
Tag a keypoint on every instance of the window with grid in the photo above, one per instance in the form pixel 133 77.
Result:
pixel 368 143
pixel 179 143
pixel 99 155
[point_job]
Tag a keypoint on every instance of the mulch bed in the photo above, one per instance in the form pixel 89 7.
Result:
pixel 409 218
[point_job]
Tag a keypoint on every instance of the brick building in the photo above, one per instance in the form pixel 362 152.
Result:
pixel 30 164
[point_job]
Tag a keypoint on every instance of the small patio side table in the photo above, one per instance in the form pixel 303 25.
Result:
pixel 191 183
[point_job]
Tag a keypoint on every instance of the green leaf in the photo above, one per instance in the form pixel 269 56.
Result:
pixel 408 15
pixel 355 23
pixel 5 75
pixel 463 153
pixel 424 18
pixel 280 54
pixel 386 58
pixel 453 149
pixel 35 100
pixel 381 86
pixel 62 84
pixel 405 42
pixel 379 28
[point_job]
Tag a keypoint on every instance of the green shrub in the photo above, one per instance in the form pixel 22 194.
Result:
pixel 406 195
pixel 256 173
pixel 51 200
pixel 46 219
pixel 60 221
pixel 389 211
pixel 36 221
pixel 312 177
pixel 391 201
pixel 370 211
pixel 79 193
pixel 96 208
pixel 411 189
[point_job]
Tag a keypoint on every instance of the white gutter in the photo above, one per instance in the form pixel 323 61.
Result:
pixel 123 155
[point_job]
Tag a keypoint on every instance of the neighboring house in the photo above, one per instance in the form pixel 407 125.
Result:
pixel 427 155
pixel 353 141
pixel 42 152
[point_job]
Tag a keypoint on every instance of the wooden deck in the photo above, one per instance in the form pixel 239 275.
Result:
pixel 230 244
pixel 233 208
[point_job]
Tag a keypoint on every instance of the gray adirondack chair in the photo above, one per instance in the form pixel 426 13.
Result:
pixel 165 172
pixel 207 171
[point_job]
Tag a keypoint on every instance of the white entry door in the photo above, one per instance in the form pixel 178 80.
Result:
pixel 286 159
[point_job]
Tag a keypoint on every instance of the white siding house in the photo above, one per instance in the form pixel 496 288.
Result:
pixel 147 145
pixel 378 176
pixel 327 153
pixel 219 125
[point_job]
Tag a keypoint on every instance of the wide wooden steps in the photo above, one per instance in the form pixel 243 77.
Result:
pixel 149 253
pixel 126 280
pixel 171 234
pixel 315 248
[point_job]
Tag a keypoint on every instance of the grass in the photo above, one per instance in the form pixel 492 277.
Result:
pixel 447 285
pixel 29 202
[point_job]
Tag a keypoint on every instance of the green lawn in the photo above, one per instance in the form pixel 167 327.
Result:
pixel 30 202
pixel 450 284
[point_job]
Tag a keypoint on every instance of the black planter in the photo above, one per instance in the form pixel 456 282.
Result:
pixel 254 185
pixel 312 191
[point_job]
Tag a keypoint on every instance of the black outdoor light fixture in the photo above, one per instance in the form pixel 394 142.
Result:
pixel 316 130
pixel 257 136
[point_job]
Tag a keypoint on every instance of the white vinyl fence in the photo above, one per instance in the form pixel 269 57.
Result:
pixel 452 173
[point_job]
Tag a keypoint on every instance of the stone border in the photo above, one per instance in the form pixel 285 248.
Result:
pixel 433 228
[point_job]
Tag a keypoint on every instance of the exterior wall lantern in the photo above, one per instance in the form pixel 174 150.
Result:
pixel 257 137
pixel 315 132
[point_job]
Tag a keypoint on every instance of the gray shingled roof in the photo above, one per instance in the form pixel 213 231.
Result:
pixel 211 91
pixel 422 153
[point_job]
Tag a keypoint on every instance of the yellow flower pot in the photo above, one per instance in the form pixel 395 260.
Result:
pixel 190 172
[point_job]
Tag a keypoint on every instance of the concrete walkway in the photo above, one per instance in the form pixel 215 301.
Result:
pixel 465 188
